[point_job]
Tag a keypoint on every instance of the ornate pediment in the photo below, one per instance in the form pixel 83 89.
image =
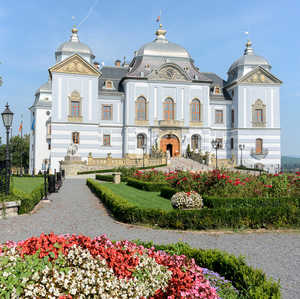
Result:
pixel 168 73
pixel 75 64
pixel 259 76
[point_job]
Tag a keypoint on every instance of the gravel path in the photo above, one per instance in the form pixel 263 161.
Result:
pixel 76 210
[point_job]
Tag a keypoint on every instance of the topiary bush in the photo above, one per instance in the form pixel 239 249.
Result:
pixel 187 200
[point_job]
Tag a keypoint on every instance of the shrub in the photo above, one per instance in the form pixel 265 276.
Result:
pixel 167 192
pixel 147 186
pixel 251 283
pixel 187 200
pixel 107 178
pixel 257 217
pixel 29 201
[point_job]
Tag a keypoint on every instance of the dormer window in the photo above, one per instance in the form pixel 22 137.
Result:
pixel 217 90
pixel 108 84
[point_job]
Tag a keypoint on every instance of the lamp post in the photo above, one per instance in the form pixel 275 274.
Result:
pixel 216 144
pixel 7 117
pixel 144 147
pixel 241 147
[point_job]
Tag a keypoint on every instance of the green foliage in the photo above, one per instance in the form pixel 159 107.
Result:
pixel 29 201
pixel 21 271
pixel 147 186
pixel 27 184
pixel 250 282
pixel 124 170
pixel 167 192
pixel 107 178
pixel 235 218
pixel 140 198
pixel 19 147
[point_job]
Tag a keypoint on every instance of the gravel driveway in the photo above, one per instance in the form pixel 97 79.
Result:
pixel 76 210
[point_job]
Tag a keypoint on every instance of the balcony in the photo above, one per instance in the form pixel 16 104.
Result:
pixel 259 156
pixel 171 123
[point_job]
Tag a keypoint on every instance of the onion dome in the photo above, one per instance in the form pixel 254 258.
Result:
pixel 162 47
pixel 246 63
pixel 74 46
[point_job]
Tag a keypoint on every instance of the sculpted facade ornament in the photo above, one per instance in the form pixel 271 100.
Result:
pixel 75 65
pixel 169 73
pixel 260 77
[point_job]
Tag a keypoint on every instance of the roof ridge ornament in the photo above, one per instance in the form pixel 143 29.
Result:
pixel 160 33
pixel 74 37
pixel 248 50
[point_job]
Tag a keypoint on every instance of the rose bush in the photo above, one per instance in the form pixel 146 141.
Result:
pixel 70 266
pixel 187 200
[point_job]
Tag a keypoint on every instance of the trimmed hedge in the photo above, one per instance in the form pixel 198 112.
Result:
pixel 147 186
pixel 117 169
pixel 29 201
pixel 258 217
pixel 167 192
pixel 251 283
pixel 102 177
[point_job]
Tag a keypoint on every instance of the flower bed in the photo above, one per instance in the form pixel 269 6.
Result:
pixel 226 184
pixel 70 266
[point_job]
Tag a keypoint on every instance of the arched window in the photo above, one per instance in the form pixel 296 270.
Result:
pixel 195 144
pixel 169 109
pixel 141 140
pixel 140 109
pixel 259 114
pixel 259 146
pixel 196 110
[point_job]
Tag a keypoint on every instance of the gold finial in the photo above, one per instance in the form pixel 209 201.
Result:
pixel 248 50
pixel 160 32
pixel 248 44
pixel 74 29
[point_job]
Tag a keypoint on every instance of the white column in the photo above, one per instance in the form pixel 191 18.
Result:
pixel 182 103
pixel 245 107
pixel 271 109
pixel 118 112
pixel 59 98
pixel 155 102
pixel 90 99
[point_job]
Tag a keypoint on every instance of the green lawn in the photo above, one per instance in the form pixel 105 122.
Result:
pixel 26 184
pixel 143 199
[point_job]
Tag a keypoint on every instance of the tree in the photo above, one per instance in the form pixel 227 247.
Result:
pixel 19 148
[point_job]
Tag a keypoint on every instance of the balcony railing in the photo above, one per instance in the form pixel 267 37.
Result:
pixel 171 123
pixel 259 155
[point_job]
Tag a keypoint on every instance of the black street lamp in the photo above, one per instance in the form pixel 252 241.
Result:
pixel 7 117
pixel 241 147
pixel 216 144
pixel 144 147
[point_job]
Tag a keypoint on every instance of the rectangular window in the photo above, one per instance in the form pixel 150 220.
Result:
pixel 75 137
pixel 259 146
pixel 220 142
pixel 232 116
pixel 106 140
pixel 219 116
pixel 231 143
pixel 106 112
pixel 49 146
pixel 259 115
pixel 75 108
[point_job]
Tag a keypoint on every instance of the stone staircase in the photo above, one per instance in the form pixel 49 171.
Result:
pixel 180 163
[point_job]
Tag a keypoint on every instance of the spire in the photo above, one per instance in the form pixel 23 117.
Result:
pixel 74 36
pixel 248 50
pixel 160 33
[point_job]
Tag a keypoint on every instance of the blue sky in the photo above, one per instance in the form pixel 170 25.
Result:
pixel 212 31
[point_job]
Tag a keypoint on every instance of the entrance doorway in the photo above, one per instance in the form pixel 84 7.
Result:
pixel 170 142
pixel 170 149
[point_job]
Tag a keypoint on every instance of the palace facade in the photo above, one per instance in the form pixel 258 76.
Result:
pixel 160 99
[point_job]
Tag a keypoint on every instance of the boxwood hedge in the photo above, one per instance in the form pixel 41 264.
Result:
pixel 29 201
pixel 251 283
pixel 206 218
pixel 147 186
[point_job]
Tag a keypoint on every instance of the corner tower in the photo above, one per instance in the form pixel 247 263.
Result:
pixel 255 111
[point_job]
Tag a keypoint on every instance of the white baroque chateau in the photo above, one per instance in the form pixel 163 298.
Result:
pixel 161 98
